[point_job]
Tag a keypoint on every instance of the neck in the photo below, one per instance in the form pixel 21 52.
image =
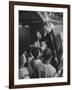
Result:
pixel 48 61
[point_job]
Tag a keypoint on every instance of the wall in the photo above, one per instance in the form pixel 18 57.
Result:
pixel 4 45
pixel 24 39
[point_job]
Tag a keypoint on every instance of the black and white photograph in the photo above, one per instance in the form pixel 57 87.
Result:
pixel 40 44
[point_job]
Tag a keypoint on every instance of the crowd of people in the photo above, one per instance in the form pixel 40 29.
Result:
pixel 42 59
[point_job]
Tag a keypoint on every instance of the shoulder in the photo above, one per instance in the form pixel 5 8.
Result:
pixel 51 68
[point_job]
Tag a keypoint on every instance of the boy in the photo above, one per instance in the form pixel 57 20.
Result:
pixel 50 71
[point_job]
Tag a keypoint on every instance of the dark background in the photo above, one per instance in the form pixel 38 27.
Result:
pixel 30 23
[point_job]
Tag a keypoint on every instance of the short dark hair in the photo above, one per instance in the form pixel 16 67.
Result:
pixel 47 54
pixel 35 52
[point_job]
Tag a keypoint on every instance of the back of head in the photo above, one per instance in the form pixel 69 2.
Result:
pixel 35 52
pixel 47 54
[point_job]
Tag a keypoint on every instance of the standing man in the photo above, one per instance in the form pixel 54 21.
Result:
pixel 50 39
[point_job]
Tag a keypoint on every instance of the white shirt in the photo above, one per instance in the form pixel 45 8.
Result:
pixel 50 71
pixel 44 70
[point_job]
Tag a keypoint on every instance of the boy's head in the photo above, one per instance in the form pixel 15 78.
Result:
pixel 35 52
pixel 47 55
pixel 43 45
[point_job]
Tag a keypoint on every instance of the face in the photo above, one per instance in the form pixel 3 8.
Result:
pixel 44 45
pixel 47 28
pixel 38 35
